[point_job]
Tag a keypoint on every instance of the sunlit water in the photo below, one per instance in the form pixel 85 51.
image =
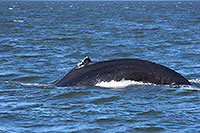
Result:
pixel 41 41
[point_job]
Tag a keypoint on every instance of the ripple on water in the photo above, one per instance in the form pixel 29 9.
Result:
pixel 109 99
pixel 72 94
pixel 150 112
pixel 105 120
pixel 150 129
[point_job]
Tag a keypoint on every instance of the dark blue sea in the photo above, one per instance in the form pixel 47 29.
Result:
pixel 41 41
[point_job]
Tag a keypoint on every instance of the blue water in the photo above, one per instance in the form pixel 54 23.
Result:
pixel 41 41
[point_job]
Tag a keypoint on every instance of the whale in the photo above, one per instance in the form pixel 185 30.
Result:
pixel 88 73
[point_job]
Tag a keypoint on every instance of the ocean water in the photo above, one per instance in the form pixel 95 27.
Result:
pixel 41 41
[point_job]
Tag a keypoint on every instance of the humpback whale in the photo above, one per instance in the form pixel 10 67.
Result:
pixel 88 73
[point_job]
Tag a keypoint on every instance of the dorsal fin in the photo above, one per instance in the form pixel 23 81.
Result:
pixel 86 61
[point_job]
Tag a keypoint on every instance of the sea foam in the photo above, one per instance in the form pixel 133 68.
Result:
pixel 119 84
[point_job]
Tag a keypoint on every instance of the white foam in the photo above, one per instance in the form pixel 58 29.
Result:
pixel 29 84
pixel 124 83
pixel 20 21
pixel 32 84
pixel 197 81
pixel 119 84
pixel 189 87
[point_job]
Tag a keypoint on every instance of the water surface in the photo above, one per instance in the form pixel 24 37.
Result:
pixel 41 41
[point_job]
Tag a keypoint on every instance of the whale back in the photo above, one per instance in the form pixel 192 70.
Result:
pixel 88 73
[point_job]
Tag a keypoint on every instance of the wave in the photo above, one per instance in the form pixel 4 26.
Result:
pixel 125 83
pixel 46 86
pixel 20 21
pixel 120 84
pixel 195 84
pixel 196 81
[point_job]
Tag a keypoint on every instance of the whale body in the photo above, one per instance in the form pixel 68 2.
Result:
pixel 88 73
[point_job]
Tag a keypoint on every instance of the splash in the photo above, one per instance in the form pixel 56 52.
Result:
pixel 120 84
